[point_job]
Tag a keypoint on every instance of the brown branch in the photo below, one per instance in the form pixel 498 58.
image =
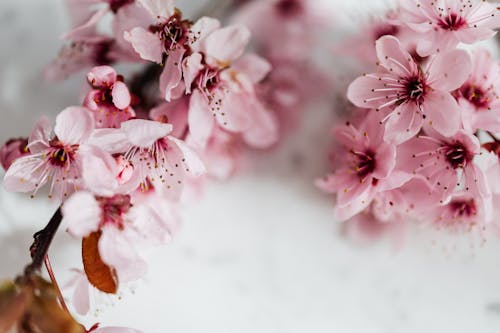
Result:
pixel 42 241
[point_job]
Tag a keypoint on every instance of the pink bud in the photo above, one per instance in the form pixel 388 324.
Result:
pixel 12 150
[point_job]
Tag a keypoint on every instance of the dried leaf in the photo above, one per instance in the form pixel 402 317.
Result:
pixel 98 273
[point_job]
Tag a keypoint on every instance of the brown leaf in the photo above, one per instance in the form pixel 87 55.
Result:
pixel 98 273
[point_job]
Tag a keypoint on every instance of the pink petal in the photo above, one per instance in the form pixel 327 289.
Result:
pixel 253 66
pixel 386 160
pixel 99 170
pixel 442 112
pixel 145 43
pixel 172 73
pixel 121 95
pixel 159 8
pixel 81 297
pixel 74 125
pixel 368 91
pixel 117 250
pixel 201 29
pixel 191 159
pixel 225 45
pixel 112 140
pixel 87 28
pixel 264 132
pixel 200 119
pixel 448 71
pixel 394 181
pixel 81 214
pixel 102 76
pixel 356 206
pixel 403 124
pixel 233 114
pixel 393 57
pixel 40 135
pixel 143 133
pixel 175 113
pixel 353 190
pixel 191 66
pixel 21 176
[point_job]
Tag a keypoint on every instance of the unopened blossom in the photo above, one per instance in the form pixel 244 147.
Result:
pixel 479 96
pixel 440 25
pixel 449 164
pixel 12 150
pixel 411 95
pixel 109 100
pixel 53 159
pixel 366 168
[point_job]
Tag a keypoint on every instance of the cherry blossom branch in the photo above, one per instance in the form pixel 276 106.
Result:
pixel 42 241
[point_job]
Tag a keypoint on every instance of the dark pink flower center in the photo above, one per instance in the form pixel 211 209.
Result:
pixel 113 209
pixel 475 95
pixel 463 208
pixel 452 22
pixel 115 5
pixel 173 32
pixel 364 163
pixel 207 80
pixel 415 88
pixel 457 155
pixel 61 155
pixel 289 7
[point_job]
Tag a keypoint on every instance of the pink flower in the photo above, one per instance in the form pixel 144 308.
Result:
pixel 461 213
pixel 441 25
pixel 367 168
pixel 109 98
pixel 126 225
pixel 412 95
pixel 12 150
pixel 158 159
pixel 480 94
pixel 53 159
pixel 448 163
pixel 224 90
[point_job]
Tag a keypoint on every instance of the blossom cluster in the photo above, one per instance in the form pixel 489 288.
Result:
pixel 119 162
pixel 422 145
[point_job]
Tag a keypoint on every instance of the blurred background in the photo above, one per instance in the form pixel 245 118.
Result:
pixel 260 253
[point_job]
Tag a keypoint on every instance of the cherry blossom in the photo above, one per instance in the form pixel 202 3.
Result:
pixel 441 25
pixel 368 168
pixel 53 159
pixel 410 95
pixel 479 96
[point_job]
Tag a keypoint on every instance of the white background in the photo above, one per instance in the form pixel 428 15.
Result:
pixel 260 253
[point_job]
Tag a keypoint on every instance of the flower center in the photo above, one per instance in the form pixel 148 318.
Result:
pixel 364 163
pixel 208 80
pixel 289 7
pixel 61 155
pixel 415 89
pixel 113 209
pixel 475 96
pixel 463 208
pixel 173 32
pixel 452 22
pixel 457 155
